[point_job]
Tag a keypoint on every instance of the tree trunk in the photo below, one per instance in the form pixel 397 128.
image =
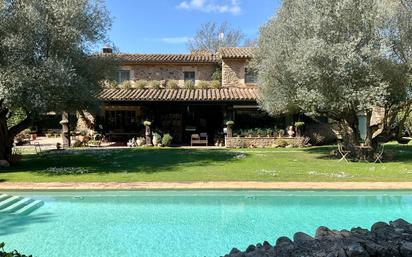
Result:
pixel 6 145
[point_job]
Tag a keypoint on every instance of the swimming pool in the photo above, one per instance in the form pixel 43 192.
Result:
pixel 187 223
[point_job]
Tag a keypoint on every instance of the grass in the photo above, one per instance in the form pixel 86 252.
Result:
pixel 171 165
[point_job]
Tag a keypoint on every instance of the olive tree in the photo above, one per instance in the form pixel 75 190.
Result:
pixel 46 62
pixel 338 59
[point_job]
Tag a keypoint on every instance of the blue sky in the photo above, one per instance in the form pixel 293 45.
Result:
pixel 164 26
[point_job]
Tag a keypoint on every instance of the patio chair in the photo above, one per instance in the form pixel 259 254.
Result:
pixel 379 153
pixel 343 153
pixel 201 138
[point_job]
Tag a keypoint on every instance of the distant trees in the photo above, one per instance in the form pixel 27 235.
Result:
pixel 45 60
pixel 211 36
pixel 339 59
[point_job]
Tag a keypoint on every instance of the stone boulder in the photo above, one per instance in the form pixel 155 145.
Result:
pixel 383 240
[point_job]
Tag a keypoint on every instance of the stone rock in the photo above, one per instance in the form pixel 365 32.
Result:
pixel 4 164
pixel 250 248
pixel 356 250
pixel 384 240
pixel 282 241
pixel 399 223
pixel 301 238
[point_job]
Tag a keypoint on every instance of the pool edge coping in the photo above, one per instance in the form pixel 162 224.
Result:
pixel 217 185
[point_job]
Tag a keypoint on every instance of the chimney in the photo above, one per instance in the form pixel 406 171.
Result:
pixel 107 49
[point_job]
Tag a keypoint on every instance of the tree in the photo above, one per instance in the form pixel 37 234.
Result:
pixel 338 59
pixel 46 62
pixel 211 36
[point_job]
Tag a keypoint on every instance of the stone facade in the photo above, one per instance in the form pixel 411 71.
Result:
pixel 261 142
pixel 203 72
pixel 233 73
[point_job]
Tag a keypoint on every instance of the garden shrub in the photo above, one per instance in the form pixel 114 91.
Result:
pixel 215 84
pixel 172 84
pixel 281 143
pixel 127 84
pixel 167 140
pixel 157 139
pixel 141 84
pixel 203 85
pixel 189 84
pixel 155 84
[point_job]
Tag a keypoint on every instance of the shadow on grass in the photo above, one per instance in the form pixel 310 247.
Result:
pixel 392 152
pixel 103 161
pixel 12 224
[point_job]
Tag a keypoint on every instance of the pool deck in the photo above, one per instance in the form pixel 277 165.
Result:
pixel 250 185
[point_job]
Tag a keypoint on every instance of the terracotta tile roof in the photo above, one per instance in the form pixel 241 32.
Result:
pixel 237 52
pixel 179 95
pixel 163 58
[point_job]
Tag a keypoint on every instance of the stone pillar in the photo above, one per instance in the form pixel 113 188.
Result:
pixel 65 130
pixel 148 132
pixel 229 131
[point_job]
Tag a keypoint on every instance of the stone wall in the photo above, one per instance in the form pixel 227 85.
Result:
pixel 259 142
pixel 383 240
pixel 233 73
pixel 203 72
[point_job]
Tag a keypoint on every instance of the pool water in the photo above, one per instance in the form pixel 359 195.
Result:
pixel 187 223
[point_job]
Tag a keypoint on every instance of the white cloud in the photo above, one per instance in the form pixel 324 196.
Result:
pixel 175 40
pixel 220 6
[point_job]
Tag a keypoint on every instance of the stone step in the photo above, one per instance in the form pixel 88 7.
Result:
pixel 9 201
pixel 29 207
pixel 4 196
pixel 17 205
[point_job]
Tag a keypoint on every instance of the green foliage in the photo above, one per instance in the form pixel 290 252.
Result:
pixel 281 143
pixel 203 84
pixel 172 84
pixel 127 84
pixel 15 117
pixel 46 64
pixel 141 84
pixel 217 74
pixel 14 253
pixel 230 123
pixel 157 139
pixel 155 84
pixel 332 58
pixel 299 124
pixel 215 84
pixel 189 84
pixel 167 140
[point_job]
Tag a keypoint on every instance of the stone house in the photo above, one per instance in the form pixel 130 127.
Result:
pixel 180 111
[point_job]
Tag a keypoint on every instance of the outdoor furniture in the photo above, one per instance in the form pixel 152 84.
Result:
pixel 201 138
pixel 343 153
pixel 379 153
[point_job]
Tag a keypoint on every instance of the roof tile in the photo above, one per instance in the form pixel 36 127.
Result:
pixel 177 95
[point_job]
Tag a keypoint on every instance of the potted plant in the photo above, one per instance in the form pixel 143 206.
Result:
pixel 229 125
pixel 33 133
pixel 269 132
pixel 299 126
pixel 291 131
pixel 281 132
pixel 148 132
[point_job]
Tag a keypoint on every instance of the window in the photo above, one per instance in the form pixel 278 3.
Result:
pixel 121 75
pixel 250 75
pixel 189 75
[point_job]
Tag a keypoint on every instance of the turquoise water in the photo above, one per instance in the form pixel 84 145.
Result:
pixel 187 223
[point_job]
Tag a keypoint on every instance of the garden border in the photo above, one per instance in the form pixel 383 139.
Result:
pixel 219 185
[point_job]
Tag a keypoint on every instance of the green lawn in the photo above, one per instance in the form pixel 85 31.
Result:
pixel 167 164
